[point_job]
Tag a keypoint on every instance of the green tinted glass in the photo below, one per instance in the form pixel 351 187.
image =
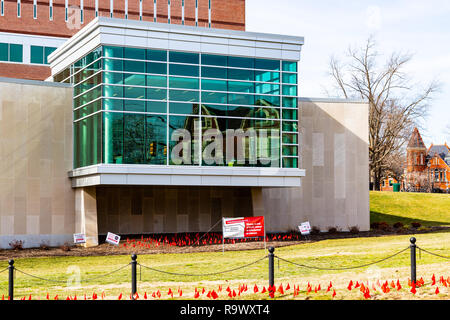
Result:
pixel 157 107
pixel 214 97
pixel 37 54
pixel 183 108
pixel 241 74
pixel 246 99
pixel 157 68
pixel 239 62
pixel 113 104
pixel 267 64
pixel 290 162
pixel 132 79
pixel 3 52
pixel 113 65
pixel 47 52
pixel 133 66
pixel 184 57
pixel 290 126
pixel 15 52
pixel 133 53
pixel 215 85
pixel 187 123
pixel 156 55
pixel 214 110
pixel 290 138
pixel 116 52
pixel 134 105
pixel 272 101
pixel 290 78
pixel 113 77
pixel 214 60
pixel 210 72
pixel 235 86
pixel 113 137
pixel 290 151
pixel 267 76
pixel 113 91
pixel 134 138
pixel 157 81
pixel 184 95
pixel 290 114
pixel 267 88
pixel 183 70
pixel 156 94
pixel 290 66
pixel 289 102
pixel 134 92
pixel 156 139
pixel 289 90
pixel 186 83
pixel 87 146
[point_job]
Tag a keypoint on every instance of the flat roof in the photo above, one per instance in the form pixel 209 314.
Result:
pixel 144 34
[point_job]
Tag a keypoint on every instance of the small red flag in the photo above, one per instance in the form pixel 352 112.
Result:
pixel 48 296
pixel 145 295
pixel 120 297
pixel 255 289
pixel 196 294
pixel 334 293
pixel 280 289
pixel 433 279
pixel 263 290
pixel 214 295
pixel 437 290
pixel 413 289
pixel 287 287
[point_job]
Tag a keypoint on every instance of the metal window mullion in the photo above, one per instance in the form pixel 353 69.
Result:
pixel 18 8
pixel 96 8
pixel 126 9
pixel 140 10
pixel 34 9
pixel 87 103
pixel 200 117
pixel 111 8
pixel 196 13
pixel 66 9
pixel 81 12
pixel 167 102
pixel 154 11
pixel 87 91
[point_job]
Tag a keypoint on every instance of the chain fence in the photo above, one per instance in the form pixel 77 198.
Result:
pixel 342 268
pixel 271 256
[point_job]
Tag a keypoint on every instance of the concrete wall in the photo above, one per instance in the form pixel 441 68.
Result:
pixel 36 198
pixel 334 151
pixel 168 209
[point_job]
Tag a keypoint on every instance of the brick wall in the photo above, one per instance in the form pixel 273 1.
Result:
pixel 24 71
pixel 229 14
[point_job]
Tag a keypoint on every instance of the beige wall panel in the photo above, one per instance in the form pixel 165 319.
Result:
pixel 35 189
pixel 334 153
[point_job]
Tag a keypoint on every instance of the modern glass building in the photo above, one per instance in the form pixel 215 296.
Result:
pixel 205 99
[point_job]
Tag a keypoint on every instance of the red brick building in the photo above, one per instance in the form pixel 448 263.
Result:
pixel 28 26
pixel 427 169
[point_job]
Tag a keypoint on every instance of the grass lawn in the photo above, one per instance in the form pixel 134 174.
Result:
pixel 430 209
pixel 328 253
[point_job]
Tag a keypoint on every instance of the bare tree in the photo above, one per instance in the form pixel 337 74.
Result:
pixel 395 102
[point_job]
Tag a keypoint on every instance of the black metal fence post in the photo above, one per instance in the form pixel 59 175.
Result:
pixel 11 280
pixel 413 259
pixel 271 267
pixel 133 276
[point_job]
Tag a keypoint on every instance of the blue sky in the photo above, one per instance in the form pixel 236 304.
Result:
pixel 417 27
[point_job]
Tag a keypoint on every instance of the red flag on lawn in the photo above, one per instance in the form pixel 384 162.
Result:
pixel 334 293
pixel 263 290
pixel 433 279
pixel 255 289
pixel 437 290
pixel 280 289
pixel 120 297
pixel 214 295
pixel 196 294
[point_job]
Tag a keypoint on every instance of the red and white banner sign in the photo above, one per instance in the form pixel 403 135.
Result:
pixel 112 238
pixel 243 227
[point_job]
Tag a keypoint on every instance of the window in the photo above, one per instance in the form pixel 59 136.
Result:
pixel 50 10
pixel 11 52
pixel 39 54
pixel 143 94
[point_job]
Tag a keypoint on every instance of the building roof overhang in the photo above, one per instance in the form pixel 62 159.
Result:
pixel 144 34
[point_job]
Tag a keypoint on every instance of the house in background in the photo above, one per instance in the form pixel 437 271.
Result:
pixel 428 169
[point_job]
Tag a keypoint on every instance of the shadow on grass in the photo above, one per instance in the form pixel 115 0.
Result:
pixel 391 219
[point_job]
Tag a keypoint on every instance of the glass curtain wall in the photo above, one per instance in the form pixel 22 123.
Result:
pixel 129 104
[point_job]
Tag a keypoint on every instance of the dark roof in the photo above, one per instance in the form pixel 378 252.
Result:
pixel 416 140
pixel 441 150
